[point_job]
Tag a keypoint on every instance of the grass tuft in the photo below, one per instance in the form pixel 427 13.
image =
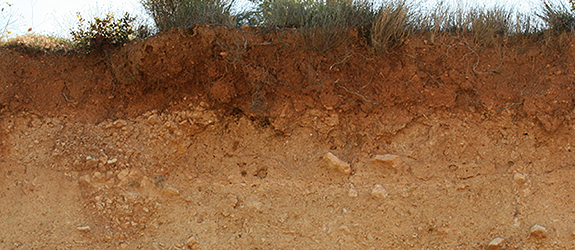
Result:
pixel 39 44
pixel 394 23
pixel 169 14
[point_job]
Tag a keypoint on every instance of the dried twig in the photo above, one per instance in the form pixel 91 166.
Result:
pixel 67 99
pixel 355 93
pixel 510 105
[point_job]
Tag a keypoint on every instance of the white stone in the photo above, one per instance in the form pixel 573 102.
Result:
pixel 84 228
pixel 352 193
pixel 379 191
pixel 496 244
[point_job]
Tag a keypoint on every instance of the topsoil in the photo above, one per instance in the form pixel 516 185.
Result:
pixel 213 138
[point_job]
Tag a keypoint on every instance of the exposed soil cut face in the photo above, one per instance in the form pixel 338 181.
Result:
pixel 217 139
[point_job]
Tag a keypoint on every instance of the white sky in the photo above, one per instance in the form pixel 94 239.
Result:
pixel 57 17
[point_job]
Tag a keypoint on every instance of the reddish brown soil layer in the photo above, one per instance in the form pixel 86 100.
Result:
pixel 214 139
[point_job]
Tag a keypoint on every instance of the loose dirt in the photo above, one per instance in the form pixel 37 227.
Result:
pixel 211 138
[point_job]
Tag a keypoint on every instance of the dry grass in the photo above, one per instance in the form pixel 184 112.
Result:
pixel 39 44
pixel 169 14
pixel 394 22
pixel 325 24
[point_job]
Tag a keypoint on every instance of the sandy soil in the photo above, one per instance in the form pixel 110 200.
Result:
pixel 219 139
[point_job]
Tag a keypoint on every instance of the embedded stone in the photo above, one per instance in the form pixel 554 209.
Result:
pixel 387 160
pixel 172 191
pixel 538 231
pixel 520 178
pixel 379 191
pixel 496 244
pixel 336 164
pixel 154 119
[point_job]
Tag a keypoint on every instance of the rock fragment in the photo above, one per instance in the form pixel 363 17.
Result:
pixel 122 175
pixel 154 119
pixel 85 180
pixel 254 205
pixel 352 193
pixel 379 191
pixel 172 191
pixel 83 229
pixel 344 228
pixel 496 244
pixel 389 160
pixel 336 164
pixel 520 179
pixel 119 123
pixel 538 231
pixel 192 243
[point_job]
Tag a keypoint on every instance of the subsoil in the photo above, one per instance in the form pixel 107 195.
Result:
pixel 213 138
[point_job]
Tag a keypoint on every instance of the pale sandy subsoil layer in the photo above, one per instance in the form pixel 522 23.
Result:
pixel 443 153
pixel 167 180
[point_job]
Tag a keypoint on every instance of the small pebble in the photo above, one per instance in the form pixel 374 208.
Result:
pixel 336 164
pixel 154 119
pixel 112 161
pixel 496 244
pixel 388 160
pixel 97 175
pixel 344 229
pixel 172 191
pixel 520 178
pixel 538 231
pixel 122 175
pixel 192 243
pixel 120 123
pixel 352 193
pixel 379 191
pixel 254 205
pixel 85 180
pixel 83 229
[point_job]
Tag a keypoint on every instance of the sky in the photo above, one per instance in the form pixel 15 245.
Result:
pixel 57 17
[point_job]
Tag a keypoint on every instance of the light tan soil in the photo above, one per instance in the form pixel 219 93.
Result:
pixel 215 139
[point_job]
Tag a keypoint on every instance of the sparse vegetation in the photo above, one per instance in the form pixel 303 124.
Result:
pixel 325 24
pixel 394 22
pixel 103 34
pixel 169 14
pixel 39 44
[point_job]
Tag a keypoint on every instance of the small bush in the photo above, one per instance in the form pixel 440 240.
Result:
pixel 169 14
pixel 393 24
pixel 102 35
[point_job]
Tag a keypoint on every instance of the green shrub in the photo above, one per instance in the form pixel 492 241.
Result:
pixel 169 14
pixel 102 35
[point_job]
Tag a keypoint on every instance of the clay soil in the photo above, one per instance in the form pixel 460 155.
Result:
pixel 210 138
